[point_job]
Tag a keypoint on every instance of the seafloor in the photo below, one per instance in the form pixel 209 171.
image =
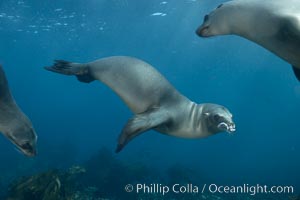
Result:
pixel 103 177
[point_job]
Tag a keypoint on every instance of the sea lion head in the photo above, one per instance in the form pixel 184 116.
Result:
pixel 217 22
pixel 22 134
pixel 14 124
pixel 219 119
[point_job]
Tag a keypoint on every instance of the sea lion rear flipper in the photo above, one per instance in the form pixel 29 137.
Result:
pixel 139 124
pixel 297 72
pixel 69 68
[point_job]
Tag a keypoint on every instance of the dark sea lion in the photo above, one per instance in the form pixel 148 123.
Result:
pixel 273 24
pixel 154 101
pixel 14 124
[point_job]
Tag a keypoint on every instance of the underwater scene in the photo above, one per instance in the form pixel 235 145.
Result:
pixel 219 113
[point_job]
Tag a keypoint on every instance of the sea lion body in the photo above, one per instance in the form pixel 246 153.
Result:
pixel 154 101
pixel 273 24
pixel 123 75
pixel 14 124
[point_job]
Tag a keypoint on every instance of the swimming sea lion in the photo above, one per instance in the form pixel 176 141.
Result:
pixel 14 124
pixel 154 101
pixel 273 24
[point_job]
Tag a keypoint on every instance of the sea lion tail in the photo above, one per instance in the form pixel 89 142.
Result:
pixel 80 70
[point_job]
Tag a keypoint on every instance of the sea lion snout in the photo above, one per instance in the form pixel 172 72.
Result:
pixel 220 118
pixel 225 123
pixel 228 127
pixel 29 149
pixel 202 31
pixel 25 140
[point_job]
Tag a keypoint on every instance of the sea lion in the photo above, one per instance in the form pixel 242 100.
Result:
pixel 14 124
pixel 275 25
pixel 154 101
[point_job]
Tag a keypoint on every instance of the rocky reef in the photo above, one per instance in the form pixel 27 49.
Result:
pixel 50 185
pixel 101 177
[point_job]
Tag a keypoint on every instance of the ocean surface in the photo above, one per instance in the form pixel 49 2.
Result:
pixel 75 121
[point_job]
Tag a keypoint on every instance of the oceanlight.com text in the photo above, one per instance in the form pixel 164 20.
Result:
pixel 248 189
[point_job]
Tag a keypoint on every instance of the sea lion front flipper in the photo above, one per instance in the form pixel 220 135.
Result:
pixel 297 72
pixel 139 124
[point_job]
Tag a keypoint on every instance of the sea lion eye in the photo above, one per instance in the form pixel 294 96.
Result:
pixel 206 17
pixel 217 117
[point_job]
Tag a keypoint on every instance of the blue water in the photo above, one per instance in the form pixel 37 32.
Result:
pixel 74 120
